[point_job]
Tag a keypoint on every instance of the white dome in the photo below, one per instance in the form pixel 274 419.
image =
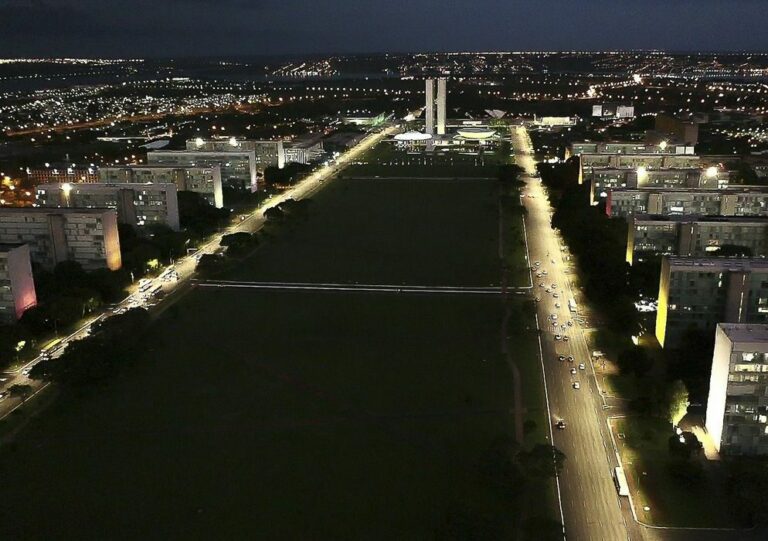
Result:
pixel 412 136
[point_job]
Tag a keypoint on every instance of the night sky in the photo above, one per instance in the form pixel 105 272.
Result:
pixel 157 28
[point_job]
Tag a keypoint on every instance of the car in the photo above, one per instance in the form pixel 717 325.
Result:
pixel 573 370
pixel 558 337
pixel 542 284
pixel 3 395
pixel 570 358
pixel 547 290
pixel 557 305
pixel 544 272
pixel 537 263
pixel 555 295
pixel 582 366
pixel 26 371
pixel 560 424
pixel 554 286
pixel 536 299
pixel 565 338
pixel 539 275
pixel 570 323
pixel 553 261
pixel 576 385
pixel 561 358
pixel 553 317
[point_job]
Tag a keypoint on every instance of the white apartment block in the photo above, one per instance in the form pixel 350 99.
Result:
pixel 17 287
pixel 203 180
pixel 737 409
pixel 239 169
pixel 136 204
pixel 86 236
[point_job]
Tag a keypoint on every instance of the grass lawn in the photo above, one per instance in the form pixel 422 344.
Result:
pixel 302 415
pixel 386 161
pixel 645 458
pixel 276 415
pixel 410 231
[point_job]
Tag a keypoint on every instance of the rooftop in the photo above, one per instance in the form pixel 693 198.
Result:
pixel 745 332
pixel 698 218
pixel 709 264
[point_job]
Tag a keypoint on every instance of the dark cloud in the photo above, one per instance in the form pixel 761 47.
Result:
pixel 218 27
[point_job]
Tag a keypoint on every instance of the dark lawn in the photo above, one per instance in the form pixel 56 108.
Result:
pixel 414 231
pixel 275 416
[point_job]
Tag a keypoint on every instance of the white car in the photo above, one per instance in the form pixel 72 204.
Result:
pixel 557 305
pixel 554 286
pixel 555 295
pixel 582 366
pixel 565 338
pixel 558 337
pixel 573 371
pixel 537 263
pixel 544 272
pixel 576 385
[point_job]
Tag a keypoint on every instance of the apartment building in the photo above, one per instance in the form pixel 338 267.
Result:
pixel 605 179
pixel 267 153
pixel 741 201
pixel 698 293
pixel 136 204
pixel 87 236
pixel 203 180
pixel 694 236
pixel 238 167
pixel 17 287
pixel 737 408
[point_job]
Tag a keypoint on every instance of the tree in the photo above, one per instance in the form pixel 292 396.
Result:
pixel 274 214
pixel 685 445
pixel 20 390
pixel 634 360
pixel 677 399
pixel 542 461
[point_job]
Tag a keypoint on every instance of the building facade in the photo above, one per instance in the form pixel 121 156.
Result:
pixel 238 167
pixel 203 180
pixel 699 293
pixel 137 205
pixel 694 236
pixel 429 106
pixel 442 93
pixel 648 161
pixel 605 179
pixel 743 201
pixel 737 408
pixel 62 173
pixel 17 287
pixel 86 236
pixel 267 153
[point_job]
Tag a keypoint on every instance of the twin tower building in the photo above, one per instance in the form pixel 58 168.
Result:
pixel 429 119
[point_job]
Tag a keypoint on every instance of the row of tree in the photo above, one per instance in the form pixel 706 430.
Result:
pixel 110 345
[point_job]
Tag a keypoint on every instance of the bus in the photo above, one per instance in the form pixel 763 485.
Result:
pixel 620 480
pixel 572 305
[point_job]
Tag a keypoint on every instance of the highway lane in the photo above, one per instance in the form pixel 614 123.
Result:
pixel 591 506
pixel 185 267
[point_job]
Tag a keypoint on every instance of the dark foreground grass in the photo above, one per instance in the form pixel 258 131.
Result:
pixel 413 231
pixel 276 416
pixel 301 415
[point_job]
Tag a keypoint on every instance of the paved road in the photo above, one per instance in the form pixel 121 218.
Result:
pixel 185 267
pixel 592 509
